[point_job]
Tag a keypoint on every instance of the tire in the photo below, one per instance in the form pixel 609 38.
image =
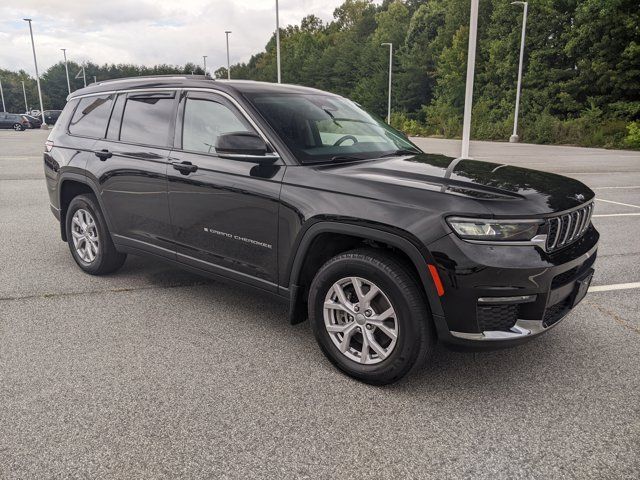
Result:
pixel 101 258
pixel 18 127
pixel 411 322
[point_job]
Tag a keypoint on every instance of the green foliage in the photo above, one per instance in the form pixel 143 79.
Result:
pixel 581 82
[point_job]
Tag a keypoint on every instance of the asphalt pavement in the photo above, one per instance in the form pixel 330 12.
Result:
pixel 156 373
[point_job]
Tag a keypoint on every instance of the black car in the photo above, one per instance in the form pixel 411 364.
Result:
pixel 51 116
pixel 33 122
pixel 16 121
pixel 303 194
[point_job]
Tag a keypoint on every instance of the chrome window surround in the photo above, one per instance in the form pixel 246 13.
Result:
pixel 235 103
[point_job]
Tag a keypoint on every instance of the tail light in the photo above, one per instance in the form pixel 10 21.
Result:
pixel 48 146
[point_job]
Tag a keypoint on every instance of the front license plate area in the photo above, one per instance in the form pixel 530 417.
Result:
pixel 581 288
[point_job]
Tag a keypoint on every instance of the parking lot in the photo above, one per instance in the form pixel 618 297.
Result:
pixel 156 373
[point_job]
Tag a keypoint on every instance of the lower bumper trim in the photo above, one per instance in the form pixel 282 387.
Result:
pixel 522 328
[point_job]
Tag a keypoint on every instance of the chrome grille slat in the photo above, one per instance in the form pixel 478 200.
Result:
pixel 569 227
pixel 576 226
pixel 565 237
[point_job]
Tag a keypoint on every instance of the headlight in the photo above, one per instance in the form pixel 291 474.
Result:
pixel 495 230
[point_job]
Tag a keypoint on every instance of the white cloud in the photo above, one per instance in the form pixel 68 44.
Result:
pixel 144 31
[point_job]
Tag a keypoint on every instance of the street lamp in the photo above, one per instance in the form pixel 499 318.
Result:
pixel 66 68
pixel 4 109
pixel 471 64
pixel 24 92
pixel 204 60
pixel 35 61
pixel 514 138
pixel 278 43
pixel 227 32
pixel 390 70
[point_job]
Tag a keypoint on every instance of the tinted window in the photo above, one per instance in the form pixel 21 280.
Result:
pixel 204 120
pixel 91 116
pixel 147 119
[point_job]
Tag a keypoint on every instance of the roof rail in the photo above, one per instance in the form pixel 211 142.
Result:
pixel 148 77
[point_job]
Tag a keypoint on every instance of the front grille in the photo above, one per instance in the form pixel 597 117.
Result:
pixel 556 312
pixel 566 229
pixel 497 317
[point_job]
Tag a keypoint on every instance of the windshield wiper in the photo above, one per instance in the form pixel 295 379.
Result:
pixel 401 151
pixel 346 158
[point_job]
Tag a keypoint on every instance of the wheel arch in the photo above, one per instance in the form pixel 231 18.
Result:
pixel 71 185
pixel 417 257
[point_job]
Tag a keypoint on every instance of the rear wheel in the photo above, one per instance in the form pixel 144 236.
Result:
pixel 89 239
pixel 18 127
pixel 370 317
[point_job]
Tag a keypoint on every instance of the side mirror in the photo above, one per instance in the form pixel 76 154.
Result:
pixel 244 146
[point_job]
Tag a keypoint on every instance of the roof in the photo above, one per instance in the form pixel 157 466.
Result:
pixel 192 81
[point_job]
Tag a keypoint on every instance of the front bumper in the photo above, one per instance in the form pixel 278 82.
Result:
pixel 529 291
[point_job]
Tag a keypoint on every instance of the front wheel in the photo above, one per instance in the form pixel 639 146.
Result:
pixel 370 317
pixel 18 127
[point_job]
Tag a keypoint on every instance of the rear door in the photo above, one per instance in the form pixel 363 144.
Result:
pixel 224 212
pixel 130 168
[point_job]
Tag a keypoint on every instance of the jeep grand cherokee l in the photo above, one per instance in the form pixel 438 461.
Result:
pixel 305 195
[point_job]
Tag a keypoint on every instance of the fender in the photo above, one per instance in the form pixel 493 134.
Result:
pixel 79 178
pixel 418 258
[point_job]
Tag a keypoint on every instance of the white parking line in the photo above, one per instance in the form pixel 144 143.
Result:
pixel 617 215
pixel 617 203
pixel 616 286
pixel 612 188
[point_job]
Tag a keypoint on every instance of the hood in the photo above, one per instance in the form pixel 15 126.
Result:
pixel 497 186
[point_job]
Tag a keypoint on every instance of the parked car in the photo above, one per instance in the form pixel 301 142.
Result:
pixel 51 116
pixel 33 122
pixel 305 195
pixel 16 121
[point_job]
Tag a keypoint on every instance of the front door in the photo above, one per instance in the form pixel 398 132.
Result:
pixel 224 212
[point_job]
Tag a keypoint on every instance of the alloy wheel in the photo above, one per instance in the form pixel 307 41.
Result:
pixel 84 232
pixel 360 320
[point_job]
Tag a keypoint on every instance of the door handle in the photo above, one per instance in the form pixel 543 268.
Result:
pixel 185 168
pixel 103 154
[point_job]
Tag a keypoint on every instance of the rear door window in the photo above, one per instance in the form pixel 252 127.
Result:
pixel 91 116
pixel 147 118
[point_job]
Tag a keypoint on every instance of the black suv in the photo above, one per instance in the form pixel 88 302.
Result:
pixel 305 195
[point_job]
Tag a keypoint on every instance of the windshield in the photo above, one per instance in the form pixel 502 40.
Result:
pixel 323 128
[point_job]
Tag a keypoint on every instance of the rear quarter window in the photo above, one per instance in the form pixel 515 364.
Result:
pixel 91 116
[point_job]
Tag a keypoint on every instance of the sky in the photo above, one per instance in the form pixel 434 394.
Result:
pixel 145 32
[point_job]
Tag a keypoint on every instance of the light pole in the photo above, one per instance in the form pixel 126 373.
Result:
pixel 514 138
pixel 4 109
pixel 66 68
pixel 278 43
pixel 24 92
pixel 204 61
pixel 390 70
pixel 227 32
pixel 35 61
pixel 471 64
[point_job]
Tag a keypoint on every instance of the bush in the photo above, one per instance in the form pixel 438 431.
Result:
pixel 633 138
